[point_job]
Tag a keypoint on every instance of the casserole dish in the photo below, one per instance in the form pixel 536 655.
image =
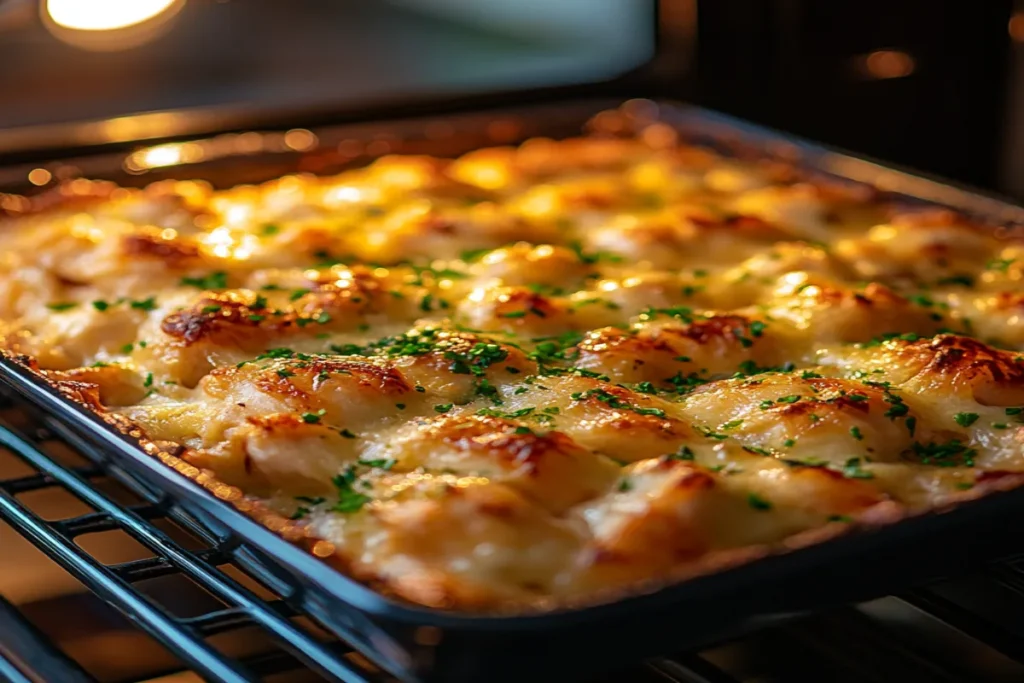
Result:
pixel 421 643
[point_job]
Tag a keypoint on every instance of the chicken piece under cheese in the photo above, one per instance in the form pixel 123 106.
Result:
pixel 828 312
pixel 612 420
pixel 928 247
pixel 543 267
pixel 545 466
pixel 444 540
pixel 669 353
pixel 818 419
pixel 457 366
pixel 666 514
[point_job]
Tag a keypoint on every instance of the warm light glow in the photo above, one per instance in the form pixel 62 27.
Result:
pixel 39 176
pixel 104 15
pixel 1016 27
pixel 300 140
pixel 884 64
pixel 164 155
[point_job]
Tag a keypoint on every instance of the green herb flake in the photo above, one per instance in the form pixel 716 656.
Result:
pixel 349 500
pixel 684 453
pixel 313 418
pixel 966 419
pixel 380 463
pixel 144 304
pixel 999 265
pixel 852 470
pixel 757 502
pixel 216 280
pixel 61 306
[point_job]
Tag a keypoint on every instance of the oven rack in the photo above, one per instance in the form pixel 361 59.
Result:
pixel 859 640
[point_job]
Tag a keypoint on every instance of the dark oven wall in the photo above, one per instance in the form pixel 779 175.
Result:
pixel 924 83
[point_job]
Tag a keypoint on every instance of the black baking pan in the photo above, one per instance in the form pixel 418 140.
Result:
pixel 420 644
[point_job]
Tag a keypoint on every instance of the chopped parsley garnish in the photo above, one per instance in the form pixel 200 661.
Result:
pixel 347 433
pixel 101 305
pixel 61 306
pixel 144 304
pixel 614 401
pixel 953 453
pixel 270 229
pixel 443 407
pixel 349 500
pixel 683 313
pixel 216 280
pixel 852 470
pixel 712 434
pixel 856 433
pixel 965 280
pixel 625 485
pixel 213 308
pixel 148 382
pixel 297 294
pixel 757 502
pixel 313 418
pixel 594 257
pixel 684 453
pixel 966 419
pixel 999 264
pixel 381 463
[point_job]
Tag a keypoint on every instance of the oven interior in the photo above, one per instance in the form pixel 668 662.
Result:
pixel 83 543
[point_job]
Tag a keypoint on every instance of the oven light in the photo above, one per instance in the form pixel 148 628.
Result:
pixel 104 15
pixel 108 24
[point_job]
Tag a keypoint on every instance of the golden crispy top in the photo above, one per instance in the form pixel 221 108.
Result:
pixel 536 375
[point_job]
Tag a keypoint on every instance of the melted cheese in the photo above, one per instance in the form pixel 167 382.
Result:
pixel 538 373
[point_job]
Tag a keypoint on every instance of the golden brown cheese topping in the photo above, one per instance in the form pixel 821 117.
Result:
pixel 539 375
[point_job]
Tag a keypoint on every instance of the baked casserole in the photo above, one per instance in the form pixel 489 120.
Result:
pixel 536 376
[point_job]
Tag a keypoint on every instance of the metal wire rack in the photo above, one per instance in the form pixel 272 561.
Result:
pixel 958 631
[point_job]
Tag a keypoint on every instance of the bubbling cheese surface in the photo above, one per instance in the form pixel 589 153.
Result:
pixel 532 375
